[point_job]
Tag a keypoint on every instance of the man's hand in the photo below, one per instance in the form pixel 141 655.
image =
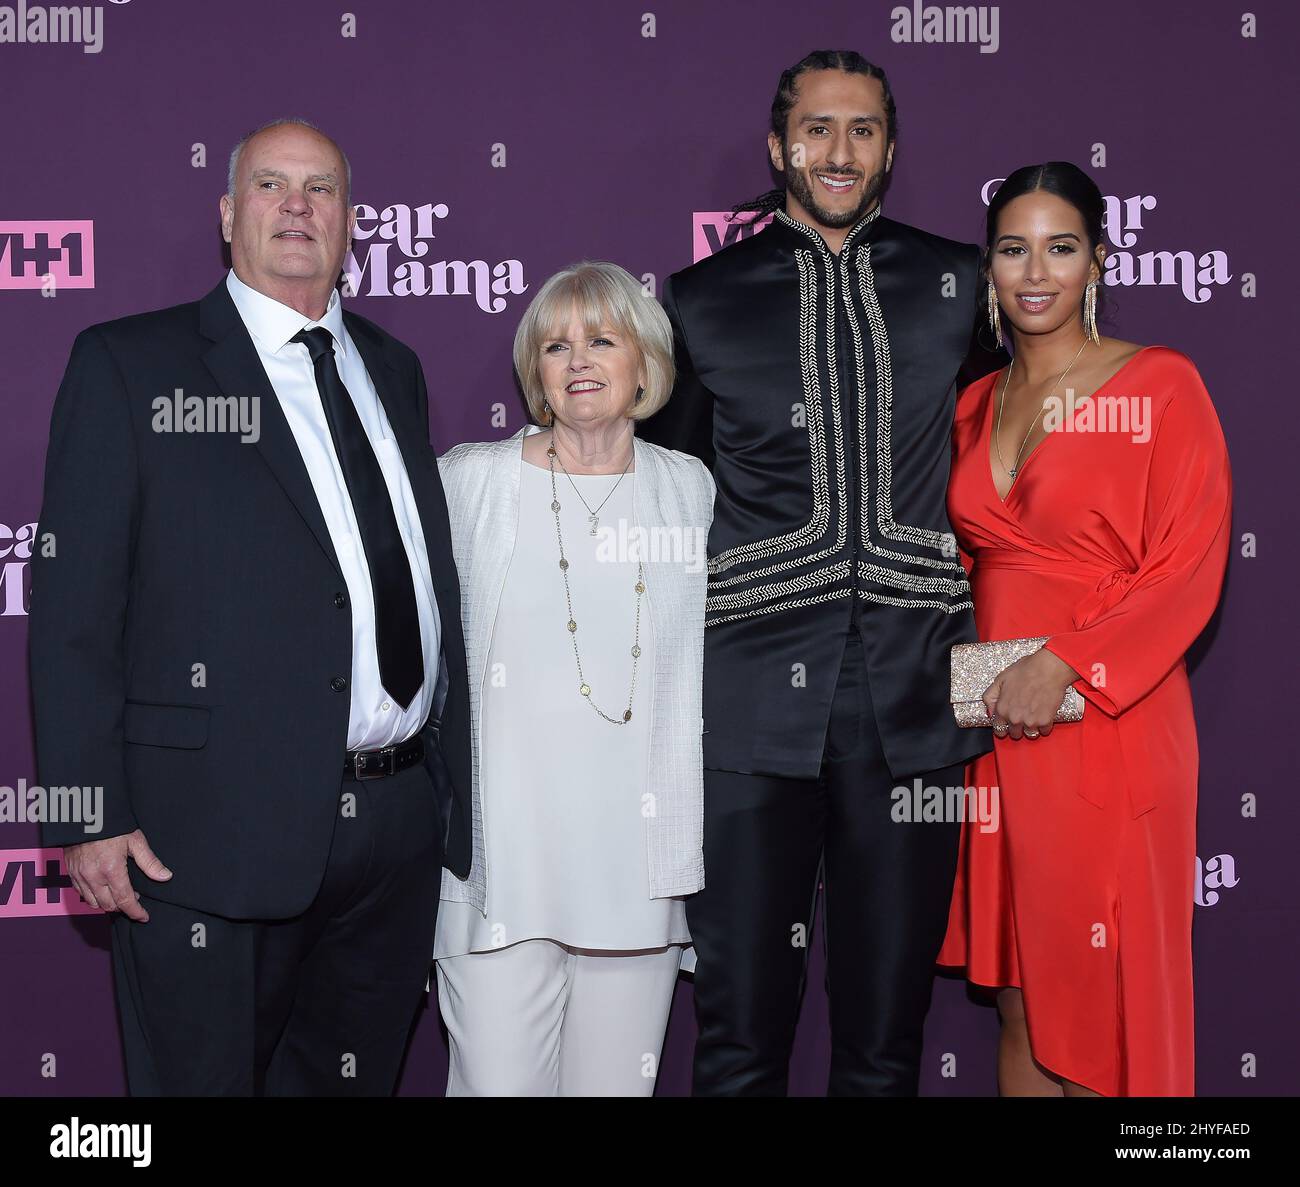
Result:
pixel 98 871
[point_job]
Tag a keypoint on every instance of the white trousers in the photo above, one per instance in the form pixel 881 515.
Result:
pixel 538 1018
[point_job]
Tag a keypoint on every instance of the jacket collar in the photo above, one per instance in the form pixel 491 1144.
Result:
pixel 233 361
pixel 860 232
pixel 274 324
pixel 219 317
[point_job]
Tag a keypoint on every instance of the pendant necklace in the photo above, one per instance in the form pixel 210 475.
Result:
pixel 997 432
pixel 593 517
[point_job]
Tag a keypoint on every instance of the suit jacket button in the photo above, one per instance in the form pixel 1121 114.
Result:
pixel 339 683
pixel 340 600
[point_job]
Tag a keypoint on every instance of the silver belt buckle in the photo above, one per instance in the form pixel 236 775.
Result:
pixel 387 752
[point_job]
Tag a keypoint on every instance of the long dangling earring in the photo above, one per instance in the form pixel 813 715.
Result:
pixel 995 321
pixel 547 411
pixel 1090 312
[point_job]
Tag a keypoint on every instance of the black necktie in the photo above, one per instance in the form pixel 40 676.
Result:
pixel 397 622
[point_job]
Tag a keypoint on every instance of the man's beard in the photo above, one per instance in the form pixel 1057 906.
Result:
pixel 797 183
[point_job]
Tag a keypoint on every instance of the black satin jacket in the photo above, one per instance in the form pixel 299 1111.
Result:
pixel 820 390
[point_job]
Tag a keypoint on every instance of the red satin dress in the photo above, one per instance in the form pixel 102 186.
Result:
pixel 1115 548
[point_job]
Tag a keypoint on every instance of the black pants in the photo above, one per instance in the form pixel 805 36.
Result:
pixel 768 841
pixel 317 1005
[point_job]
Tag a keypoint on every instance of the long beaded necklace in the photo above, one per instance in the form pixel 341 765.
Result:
pixel 584 689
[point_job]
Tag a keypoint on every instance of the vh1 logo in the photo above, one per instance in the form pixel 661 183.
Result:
pixel 34 882
pixel 41 252
pixel 712 230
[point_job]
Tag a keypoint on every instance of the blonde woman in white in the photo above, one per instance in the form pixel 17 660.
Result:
pixel 581 553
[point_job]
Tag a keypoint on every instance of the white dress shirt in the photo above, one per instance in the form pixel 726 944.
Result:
pixel 375 718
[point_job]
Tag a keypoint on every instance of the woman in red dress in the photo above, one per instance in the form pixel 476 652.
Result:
pixel 1090 494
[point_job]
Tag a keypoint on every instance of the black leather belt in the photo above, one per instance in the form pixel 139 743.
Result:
pixel 375 764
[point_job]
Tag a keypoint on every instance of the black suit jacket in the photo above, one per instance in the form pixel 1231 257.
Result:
pixel 164 551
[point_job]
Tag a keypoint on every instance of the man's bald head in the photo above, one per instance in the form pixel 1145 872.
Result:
pixel 233 171
pixel 287 214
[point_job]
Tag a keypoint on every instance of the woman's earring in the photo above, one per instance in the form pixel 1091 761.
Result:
pixel 1090 312
pixel 547 411
pixel 995 321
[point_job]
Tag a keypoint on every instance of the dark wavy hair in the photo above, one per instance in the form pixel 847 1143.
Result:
pixel 784 100
pixel 1069 183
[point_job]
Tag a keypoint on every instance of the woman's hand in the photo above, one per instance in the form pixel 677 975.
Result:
pixel 1024 698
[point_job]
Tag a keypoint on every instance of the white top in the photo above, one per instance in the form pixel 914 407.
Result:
pixel 562 789
pixel 374 719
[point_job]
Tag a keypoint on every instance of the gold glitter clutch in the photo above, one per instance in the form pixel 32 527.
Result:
pixel 976 665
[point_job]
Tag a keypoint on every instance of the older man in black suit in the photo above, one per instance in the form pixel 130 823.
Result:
pixel 250 639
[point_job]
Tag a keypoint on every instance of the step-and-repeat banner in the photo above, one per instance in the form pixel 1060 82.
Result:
pixel 495 142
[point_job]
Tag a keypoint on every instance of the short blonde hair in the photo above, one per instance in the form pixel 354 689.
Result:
pixel 604 295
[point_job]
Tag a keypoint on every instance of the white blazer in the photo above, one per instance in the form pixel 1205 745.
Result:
pixel 673 490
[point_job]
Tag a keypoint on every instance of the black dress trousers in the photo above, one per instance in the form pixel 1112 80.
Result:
pixel 318 1005
pixel 768 842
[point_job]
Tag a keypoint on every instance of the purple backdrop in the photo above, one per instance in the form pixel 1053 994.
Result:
pixel 540 134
